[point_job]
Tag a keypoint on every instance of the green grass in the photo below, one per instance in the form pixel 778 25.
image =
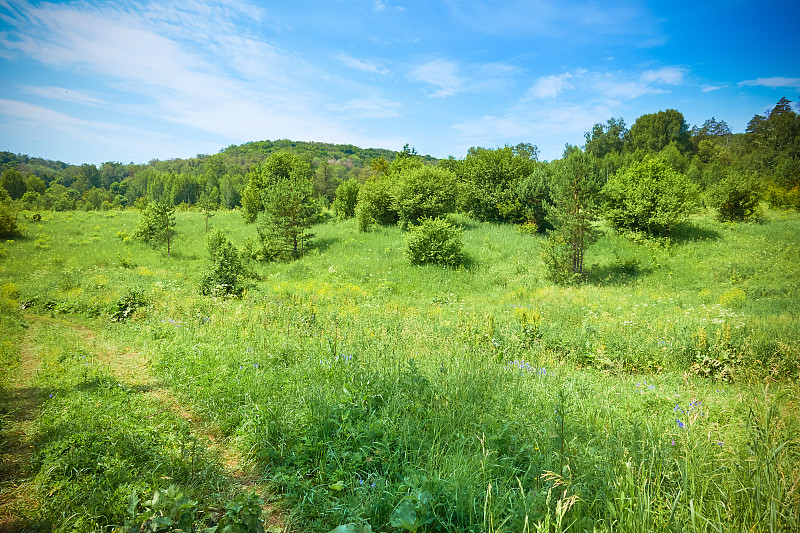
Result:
pixel 659 395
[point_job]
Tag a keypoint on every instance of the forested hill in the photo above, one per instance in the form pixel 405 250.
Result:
pixel 769 150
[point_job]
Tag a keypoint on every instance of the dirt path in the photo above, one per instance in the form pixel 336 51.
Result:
pixel 130 367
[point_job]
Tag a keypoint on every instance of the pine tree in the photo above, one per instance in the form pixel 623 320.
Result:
pixel 157 225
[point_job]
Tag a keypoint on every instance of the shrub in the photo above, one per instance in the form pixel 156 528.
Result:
pixel 650 197
pixel 226 272
pixel 344 205
pixel 435 241
pixel 8 221
pixel 736 197
pixel 423 192
pixel 375 203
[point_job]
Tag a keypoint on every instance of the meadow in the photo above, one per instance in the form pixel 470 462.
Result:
pixel 661 394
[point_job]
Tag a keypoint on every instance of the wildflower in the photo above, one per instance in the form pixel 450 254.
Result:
pixel 673 442
pixel 680 424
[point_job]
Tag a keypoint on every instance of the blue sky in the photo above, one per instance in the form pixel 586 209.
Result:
pixel 126 81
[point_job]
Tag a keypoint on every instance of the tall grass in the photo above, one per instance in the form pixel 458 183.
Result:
pixel 659 395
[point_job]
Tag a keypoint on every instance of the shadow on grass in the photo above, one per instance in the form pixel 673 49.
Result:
pixel 617 273
pixel 686 233
pixel 323 243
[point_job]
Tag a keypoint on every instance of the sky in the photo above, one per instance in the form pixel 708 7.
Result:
pixel 131 81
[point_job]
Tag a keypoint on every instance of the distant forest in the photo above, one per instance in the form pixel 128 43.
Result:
pixel 706 154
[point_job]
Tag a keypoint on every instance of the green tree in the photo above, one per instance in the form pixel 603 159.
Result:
pixel 157 225
pixel 279 166
pixel 289 211
pixel 344 204
pixel 606 138
pixel 13 182
pixel 490 178
pixel 423 192
pixel 649 196
pixel 653 132
pixel 572 213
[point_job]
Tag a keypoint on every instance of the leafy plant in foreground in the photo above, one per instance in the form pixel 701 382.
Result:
pixel 435 241
pixel 226 272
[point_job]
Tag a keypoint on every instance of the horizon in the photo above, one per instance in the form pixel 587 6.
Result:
pixel 133 82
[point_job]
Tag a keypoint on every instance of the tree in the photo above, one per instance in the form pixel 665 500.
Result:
pixel 209 197
pixel 606 139
pixel 649 196
pixel 423 192
pixel 289 211
pixel 653 132
pixel 157 225
pixel 344 204
pixel 13 182
pixel 490 177
pixel 572 213
pixel 279 166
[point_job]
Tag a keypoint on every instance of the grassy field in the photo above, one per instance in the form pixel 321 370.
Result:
pixel 660 395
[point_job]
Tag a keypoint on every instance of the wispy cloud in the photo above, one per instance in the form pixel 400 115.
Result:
pixel 711 88
pixel 550 86
pixel 442 75
pixel 364 65
pixel 793 83
pixel 64 94
pixel 370 107
pixel 665 75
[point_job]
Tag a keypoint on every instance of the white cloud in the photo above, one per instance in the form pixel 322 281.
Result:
pixel 710 88
pixel 549 86
pixel 362 65
pixel 442 74
pixel 793 83
pixel 64 94
pixel 665 75
pixel 368 108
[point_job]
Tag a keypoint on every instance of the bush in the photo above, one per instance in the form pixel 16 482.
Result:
pixel 650 197
pixel 8 221
pixel 423 192
pixel 435 241
pixel 375 203
pixel 226 272
pixel 736 197
pixel 344 205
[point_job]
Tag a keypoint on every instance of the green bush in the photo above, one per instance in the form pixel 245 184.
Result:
pixel 344 205
pixel 8 221
pixel 435 241
pixel 375 203
pixel 226 272
pixel 649 197
pixel 736 197
pixel 423 192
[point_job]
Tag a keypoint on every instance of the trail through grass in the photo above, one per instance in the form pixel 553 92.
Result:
pixel 50 341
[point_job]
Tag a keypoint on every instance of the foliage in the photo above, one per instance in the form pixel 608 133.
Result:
pixel 263 179
pixel 344 204
pixel 490 178
pixel 226 272
pixel 435 241
pixel 376 203
pixel 157 225
pixel 653 132
pixel 650 197
pixel 423 192
pixel 736 197
pixel 9 228
pixel 127 305
pixel 289 211
pixel 572 214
